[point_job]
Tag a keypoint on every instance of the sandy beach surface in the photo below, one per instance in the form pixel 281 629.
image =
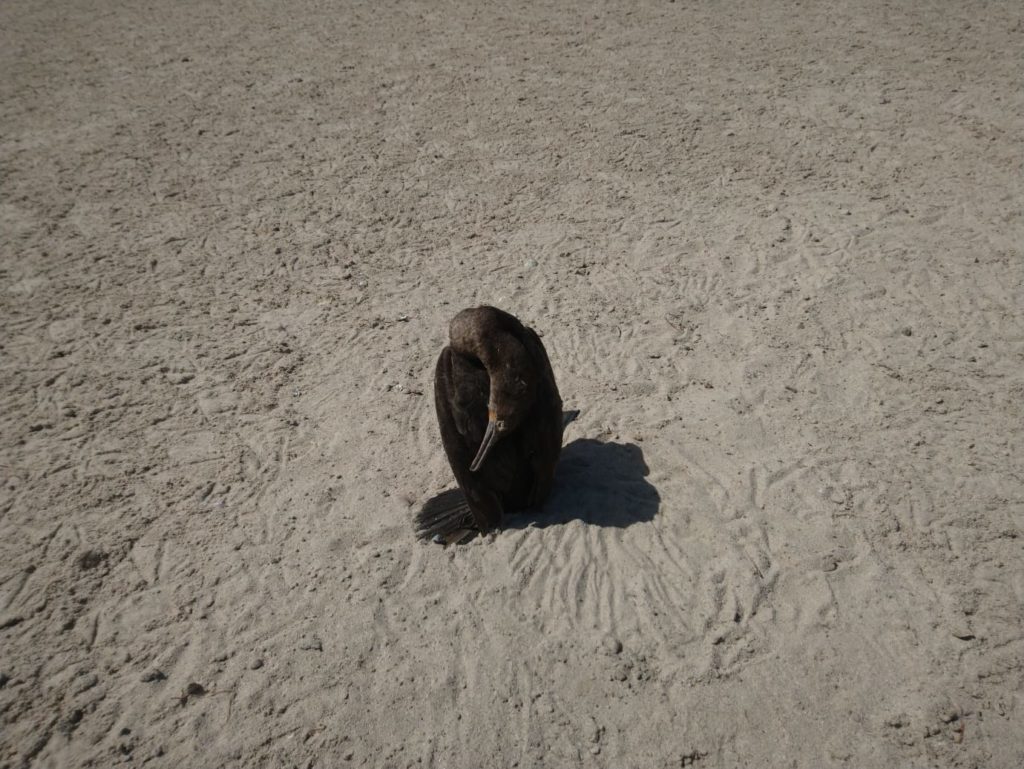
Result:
pixel 774 251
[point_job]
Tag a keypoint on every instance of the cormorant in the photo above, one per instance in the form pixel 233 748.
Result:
pixel 501 424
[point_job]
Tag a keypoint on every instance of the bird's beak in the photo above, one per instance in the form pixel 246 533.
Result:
pixel 490 438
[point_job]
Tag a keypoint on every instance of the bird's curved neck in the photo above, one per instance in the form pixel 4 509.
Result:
pixel 485 348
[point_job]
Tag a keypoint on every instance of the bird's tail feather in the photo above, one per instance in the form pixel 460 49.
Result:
pixel 444 514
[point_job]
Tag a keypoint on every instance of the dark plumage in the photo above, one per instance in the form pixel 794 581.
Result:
pixel 501 423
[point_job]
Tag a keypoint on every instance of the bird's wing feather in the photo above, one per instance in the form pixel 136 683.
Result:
pixel 462 389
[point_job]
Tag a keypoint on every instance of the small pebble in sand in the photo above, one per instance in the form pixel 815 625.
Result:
pixel 949 714
pixel 192 690
pixel 961 631
pixel 90 559
pixel 612 645
pixel 68 724
pixel 256 664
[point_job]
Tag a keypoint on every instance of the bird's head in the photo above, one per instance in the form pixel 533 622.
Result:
pixel 494 338
pixel 513 390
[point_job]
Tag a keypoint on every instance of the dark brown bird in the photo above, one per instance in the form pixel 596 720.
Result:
pixel 501 424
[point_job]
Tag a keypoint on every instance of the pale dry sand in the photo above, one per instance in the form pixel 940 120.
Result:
pixel 775 250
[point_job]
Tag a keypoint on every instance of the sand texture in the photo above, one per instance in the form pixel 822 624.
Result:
pixel 775 253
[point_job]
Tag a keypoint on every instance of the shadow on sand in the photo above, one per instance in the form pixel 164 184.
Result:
pixel 601 484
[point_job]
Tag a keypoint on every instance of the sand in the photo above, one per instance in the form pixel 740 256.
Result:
pixel 775 253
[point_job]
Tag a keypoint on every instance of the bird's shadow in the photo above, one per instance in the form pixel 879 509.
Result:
pixel 599 483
